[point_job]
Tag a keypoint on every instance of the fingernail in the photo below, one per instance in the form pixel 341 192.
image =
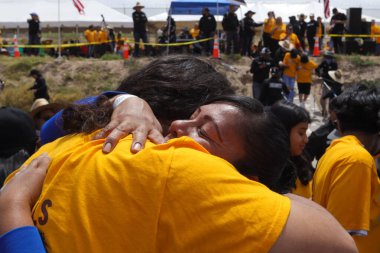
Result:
pixel 137 146
pixel 107 147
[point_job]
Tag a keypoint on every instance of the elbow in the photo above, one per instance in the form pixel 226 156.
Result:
pixel 349 246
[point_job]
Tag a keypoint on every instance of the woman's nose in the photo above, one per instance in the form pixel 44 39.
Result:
pixel 180 128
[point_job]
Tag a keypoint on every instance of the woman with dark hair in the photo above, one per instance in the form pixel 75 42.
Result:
pixel 346 182
pixel 174 86
pixel 297 175
pixel 170 197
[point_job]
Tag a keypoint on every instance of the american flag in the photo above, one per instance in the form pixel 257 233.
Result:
pixel 80 7
pixel 326 5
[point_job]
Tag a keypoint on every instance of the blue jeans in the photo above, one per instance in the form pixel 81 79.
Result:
pixel 289 81
pixel 137 36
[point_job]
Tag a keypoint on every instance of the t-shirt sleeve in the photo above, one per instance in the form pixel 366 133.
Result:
pixel 212 208
pixel 21 240
pixel 349 198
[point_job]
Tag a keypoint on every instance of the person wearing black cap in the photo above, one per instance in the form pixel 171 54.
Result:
pixel 39 85
pixel 207 27
pixel 18 139
pixel 34 32
pixel 247 31
pixel 260 68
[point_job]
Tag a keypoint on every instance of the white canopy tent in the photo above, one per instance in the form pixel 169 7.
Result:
pixel 14 13
pixel 282 9
pixel 154 7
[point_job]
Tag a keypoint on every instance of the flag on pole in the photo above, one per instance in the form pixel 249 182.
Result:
pixel 326 5
pixel 80 7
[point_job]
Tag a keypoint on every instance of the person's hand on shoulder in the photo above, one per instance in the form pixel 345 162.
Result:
pixel 131 115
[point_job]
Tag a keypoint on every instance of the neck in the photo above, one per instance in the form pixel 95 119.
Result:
pixel 370 141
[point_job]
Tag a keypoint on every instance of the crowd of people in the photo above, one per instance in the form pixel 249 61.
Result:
pixel 211 152
pixel 242 37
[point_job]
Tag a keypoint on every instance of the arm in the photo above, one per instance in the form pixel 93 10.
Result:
pixel 17 199
pixel 310 228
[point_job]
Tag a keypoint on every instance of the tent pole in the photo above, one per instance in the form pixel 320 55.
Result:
pixel 168 31
pixel 59 30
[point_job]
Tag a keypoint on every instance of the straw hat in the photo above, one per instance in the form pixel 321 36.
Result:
pixel 41 104
pixel 138 5
pixel 285 44
pixel 336 75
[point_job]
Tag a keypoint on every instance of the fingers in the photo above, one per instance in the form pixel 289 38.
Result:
pixel 139 139
pixel 103 133
pixel 113 138
pixel 156 136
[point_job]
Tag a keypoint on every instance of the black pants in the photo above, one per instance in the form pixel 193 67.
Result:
pixel 267 39
pixel 338 45
pixel 311 41
pixel 232 41
pixel 246 45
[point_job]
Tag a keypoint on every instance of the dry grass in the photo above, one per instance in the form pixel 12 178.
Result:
pixel 76 78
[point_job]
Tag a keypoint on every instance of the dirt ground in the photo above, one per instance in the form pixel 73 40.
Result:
pixel 74 78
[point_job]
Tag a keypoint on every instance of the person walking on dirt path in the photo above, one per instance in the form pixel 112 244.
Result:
pixel 40 87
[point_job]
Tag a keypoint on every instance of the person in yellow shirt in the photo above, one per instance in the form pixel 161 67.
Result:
pixel 346 181
pixel 304 80
pixel 290 64
pixel 320 32
pixel 375 30
pixel 90 38
pixel 161 200
pixel 194 32
pixel 269 24
pixel 277 33
pixel 297 175
pixel 291 37
pixel 102 39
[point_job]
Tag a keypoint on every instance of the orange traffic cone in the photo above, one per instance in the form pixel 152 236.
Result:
pixel 316 47
pixel 16 51
pixel 125 50
pixel 215 51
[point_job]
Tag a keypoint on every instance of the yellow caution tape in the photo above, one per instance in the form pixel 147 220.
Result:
pixel 354 35
pixel 99 43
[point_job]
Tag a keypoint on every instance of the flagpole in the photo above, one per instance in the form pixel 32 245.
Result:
pixel 59 30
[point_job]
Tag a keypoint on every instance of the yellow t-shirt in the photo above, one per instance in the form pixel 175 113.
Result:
pixel 377 32
pixel 292 64
pixel 89 35
pixel 194 33
pixel 305 71
pixel 269 25
pixel 102 36
pixel 347 185
pixel 293 39
pixel 173 197
pixel 319 31
pixel 279 32
pixel 303 190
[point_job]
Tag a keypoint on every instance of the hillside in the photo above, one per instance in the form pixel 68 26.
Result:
pixel 74 78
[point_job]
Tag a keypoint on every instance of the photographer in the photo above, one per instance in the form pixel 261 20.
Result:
pixel 260 68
